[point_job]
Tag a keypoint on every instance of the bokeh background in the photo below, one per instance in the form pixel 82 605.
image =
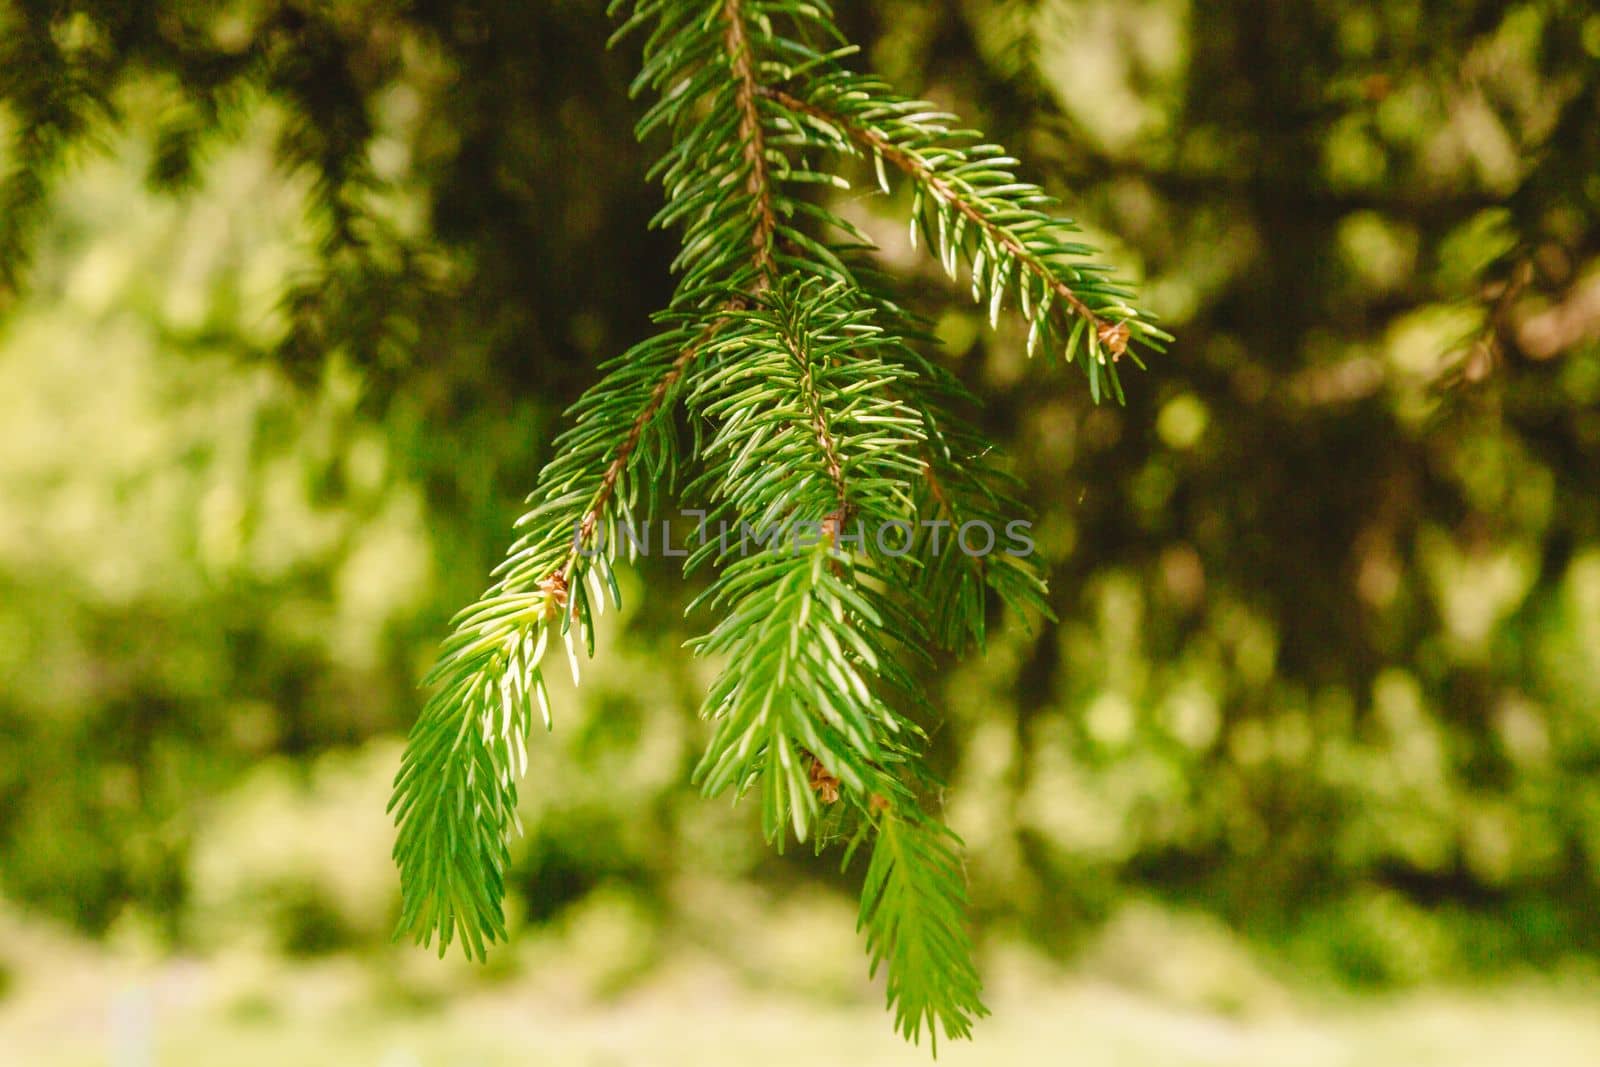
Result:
pixel 292 295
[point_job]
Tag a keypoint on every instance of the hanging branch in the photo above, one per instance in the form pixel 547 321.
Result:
pixel 819 425
pixel 455 796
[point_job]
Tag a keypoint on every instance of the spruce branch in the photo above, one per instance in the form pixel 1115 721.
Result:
pixel 805 629
pixel 455 795
pixel 807 383
pixel 968 206
pixel 817 425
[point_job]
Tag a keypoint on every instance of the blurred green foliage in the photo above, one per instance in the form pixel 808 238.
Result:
pixel 293 294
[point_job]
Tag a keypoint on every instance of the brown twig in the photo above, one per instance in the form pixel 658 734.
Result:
pixel 559 578
pixel 833 523
pixel 757 183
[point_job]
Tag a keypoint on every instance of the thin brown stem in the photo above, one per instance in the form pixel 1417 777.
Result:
pixel 935 486
pixel 819 426
pixel 940 498
pixel 757 183
pixel 607 488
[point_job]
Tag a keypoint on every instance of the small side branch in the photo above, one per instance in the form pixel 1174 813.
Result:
pixel 1113 335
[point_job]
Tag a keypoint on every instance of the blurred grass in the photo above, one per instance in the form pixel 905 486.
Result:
pixel 86 1007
